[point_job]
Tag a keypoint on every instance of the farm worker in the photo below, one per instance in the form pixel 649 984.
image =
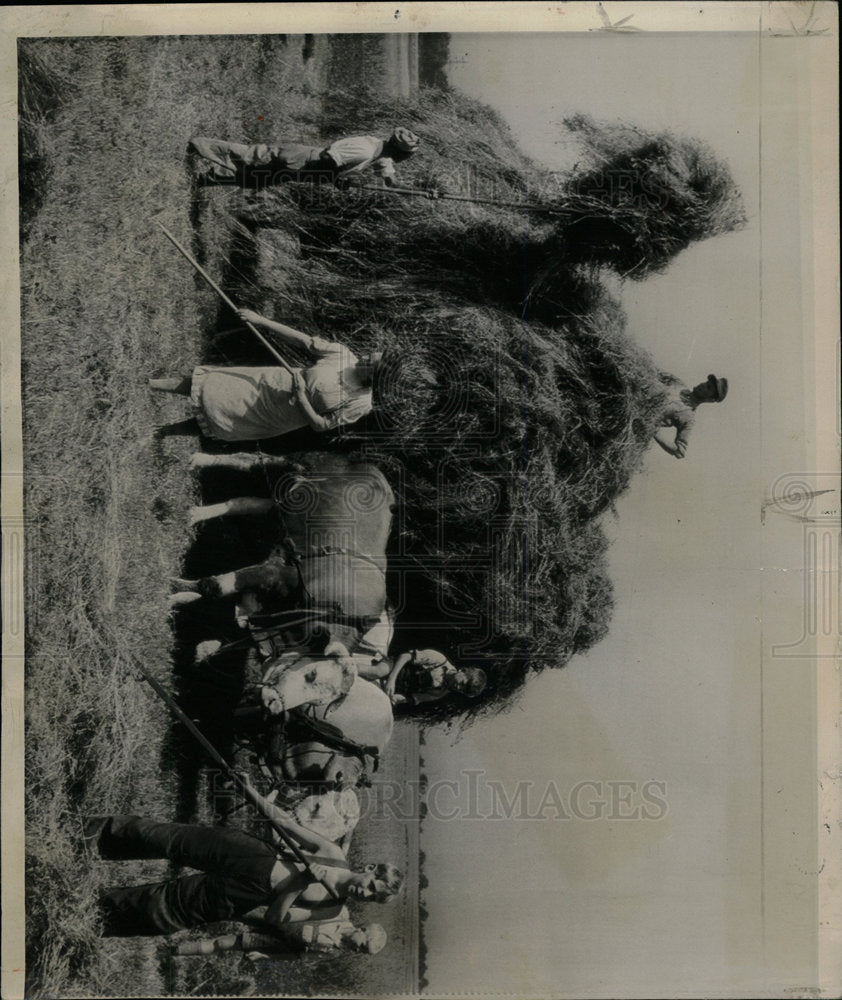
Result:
pixel 679 411
pixel 261 166
pixel 298 936
pixel 338 934
pixel 421 676
pixel 247 404
pixel 244 877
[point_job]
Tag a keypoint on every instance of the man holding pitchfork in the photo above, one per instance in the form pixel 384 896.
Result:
pixel 242 877
pixel 249 404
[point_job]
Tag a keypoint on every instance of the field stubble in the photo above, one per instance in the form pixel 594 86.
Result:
pixel 104 306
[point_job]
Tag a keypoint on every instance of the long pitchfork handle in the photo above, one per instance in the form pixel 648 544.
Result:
pixel 250 793
pixel 223 296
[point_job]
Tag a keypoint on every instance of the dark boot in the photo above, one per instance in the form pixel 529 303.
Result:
pixel 180 428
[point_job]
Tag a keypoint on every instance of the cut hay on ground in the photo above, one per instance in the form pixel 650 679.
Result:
pixel 104 504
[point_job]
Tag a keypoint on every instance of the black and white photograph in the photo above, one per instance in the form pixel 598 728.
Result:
pixel 421 501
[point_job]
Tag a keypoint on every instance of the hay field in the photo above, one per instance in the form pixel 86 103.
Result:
pixel 105 305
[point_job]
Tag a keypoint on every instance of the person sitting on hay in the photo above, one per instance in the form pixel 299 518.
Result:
pixel 263 166
pixel 679 411
pixel 420 676
pixel 415 677
pixel 244 878
pixel 249 404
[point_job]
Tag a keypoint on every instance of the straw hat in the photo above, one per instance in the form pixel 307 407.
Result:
pixel 375 938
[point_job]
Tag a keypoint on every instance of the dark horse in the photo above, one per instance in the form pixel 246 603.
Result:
pixel 335 518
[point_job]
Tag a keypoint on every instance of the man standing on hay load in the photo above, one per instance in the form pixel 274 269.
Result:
pixel 260 166
pixel 679 411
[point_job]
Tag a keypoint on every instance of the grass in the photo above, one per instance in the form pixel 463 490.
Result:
pixel 40 93
pixel 105 304
pixel 102 306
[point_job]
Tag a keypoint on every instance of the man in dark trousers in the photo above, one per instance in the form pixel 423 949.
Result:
pixel 261 166
pixel 242 876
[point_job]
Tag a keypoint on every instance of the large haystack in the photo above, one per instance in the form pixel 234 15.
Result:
pixel 543 406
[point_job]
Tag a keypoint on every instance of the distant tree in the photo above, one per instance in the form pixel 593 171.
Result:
pixel 433 55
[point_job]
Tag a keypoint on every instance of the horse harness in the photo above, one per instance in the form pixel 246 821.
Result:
pixel 301 727
pixel 296 558
pixel 272 633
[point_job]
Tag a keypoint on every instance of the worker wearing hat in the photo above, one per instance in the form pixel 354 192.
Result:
pixel 217 161
pixel 680 408
pixel 327 936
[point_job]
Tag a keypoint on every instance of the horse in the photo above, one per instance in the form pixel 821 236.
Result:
pixel 334 745
pixel 297 678
pixel 336 516
pixel 310 737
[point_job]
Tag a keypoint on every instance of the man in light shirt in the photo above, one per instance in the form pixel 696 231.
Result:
pixel 331 935
pixel 259 165
pixel 290 940
pixel 680 410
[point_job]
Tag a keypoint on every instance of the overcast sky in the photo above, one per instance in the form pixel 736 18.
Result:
pixel 666 907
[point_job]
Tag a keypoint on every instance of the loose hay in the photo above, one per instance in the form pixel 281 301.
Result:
pixel 542 406
pixel 644 199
